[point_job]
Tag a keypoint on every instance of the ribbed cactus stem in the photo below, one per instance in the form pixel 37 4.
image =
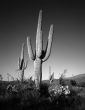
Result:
pixel 41 55
pixel 49 44
pixel 22 65
pixel 51 77
pixel 39 36
pixel 38 71
pixel 30 51
pixel 22 75
pixel 22 52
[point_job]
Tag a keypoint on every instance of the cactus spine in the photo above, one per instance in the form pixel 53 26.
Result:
pixel 40 55
pixel 22 64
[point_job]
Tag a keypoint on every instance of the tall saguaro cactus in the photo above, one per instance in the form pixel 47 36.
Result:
pixel 22 64
pixel 40 55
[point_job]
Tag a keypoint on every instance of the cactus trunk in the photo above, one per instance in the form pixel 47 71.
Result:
pixel 38 71
pixel 22 75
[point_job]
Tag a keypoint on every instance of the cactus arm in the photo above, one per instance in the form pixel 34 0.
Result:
pixel 21 59
pixel 25 65
pixel 22 64
pixel 52 77
pixel 30 51
pixel 19 62
pixel 49 44
pixel 39 43
pixel 22 52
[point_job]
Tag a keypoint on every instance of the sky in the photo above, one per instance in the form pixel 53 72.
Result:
pixel 18 19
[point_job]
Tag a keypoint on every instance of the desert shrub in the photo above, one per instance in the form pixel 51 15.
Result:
pixel 65 100
pixel 62 80
pixel 29 97
pixel 2 91
pixel 44 90
pixel 82 84
pixel 58 91
pixel 73 82
pixel 49 97
pixel 25 96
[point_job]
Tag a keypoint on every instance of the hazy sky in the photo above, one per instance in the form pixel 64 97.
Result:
pixel 19 20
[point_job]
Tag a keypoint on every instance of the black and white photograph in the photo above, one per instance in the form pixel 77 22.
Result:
pixel 42 55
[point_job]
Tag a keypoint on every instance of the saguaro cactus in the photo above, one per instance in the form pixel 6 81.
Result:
pixel 51 78
pixel 22 64
pixel 40 55
pixel 51 75
pixel 49 72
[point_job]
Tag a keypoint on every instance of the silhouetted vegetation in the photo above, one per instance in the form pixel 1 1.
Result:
pixel 73 82
pixel 23 96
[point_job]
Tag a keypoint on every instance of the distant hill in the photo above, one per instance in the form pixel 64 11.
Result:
pixel 79 78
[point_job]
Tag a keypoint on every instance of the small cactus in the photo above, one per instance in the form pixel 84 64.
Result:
pixel 22 64
pixel 51 77
pixel 40 55
pixel 49 71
